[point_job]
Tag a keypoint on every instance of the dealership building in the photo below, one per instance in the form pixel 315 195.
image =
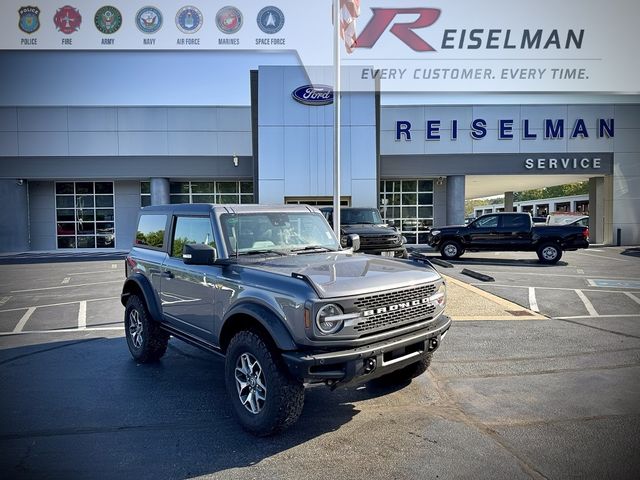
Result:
pixel 106 109
pixel 74 175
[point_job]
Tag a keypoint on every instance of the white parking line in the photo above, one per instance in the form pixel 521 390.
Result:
pixel 632 297
pixel 602 257
pixel 82 316
pixel 25 318
pixel 65 286
pixel 63 330
pixel 547 274
pixel 4 300
pixel 533 303
pixel 621 315
pixel 587 304
pixel 90 273
pixel 482 284
pixel 57 304
pixel 66 280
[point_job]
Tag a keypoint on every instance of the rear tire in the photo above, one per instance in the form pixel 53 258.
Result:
pixel 451 249
pixel 265 399
pixel 146 340
pixel 549 253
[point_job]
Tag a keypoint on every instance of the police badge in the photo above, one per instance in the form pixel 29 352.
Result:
pixel 29 20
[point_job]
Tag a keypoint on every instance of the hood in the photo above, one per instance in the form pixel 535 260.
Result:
pixel 368 229
pixel 340 274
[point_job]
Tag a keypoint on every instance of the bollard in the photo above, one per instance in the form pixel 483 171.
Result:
pixel 619 237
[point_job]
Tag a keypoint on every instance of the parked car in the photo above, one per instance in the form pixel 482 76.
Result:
pixel 568 219
pixel 271 291
pixel 376 237
pixel 508 232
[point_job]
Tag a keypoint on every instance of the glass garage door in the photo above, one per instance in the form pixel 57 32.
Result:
pixel 408 206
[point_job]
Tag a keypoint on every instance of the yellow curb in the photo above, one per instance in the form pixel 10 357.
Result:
pixel 506 304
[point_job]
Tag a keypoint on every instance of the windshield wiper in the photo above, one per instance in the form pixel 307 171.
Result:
pixel 262 252
pixel 312 247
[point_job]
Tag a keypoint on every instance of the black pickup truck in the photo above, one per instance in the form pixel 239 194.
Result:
pixel 509 232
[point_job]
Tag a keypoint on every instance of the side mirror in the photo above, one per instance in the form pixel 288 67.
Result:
pixel 199 254
pixel 353 241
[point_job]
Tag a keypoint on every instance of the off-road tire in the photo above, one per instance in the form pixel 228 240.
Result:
pixel 451 249
pixel 284 395
pixel 549 253
pixel 146 340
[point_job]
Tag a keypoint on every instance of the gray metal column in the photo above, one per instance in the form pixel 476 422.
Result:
pixel 455 200
pixel 14 230
pixel 596 210
pixel 160 191
pixel 508 202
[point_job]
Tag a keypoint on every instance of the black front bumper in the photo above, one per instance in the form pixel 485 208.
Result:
pixel 353 366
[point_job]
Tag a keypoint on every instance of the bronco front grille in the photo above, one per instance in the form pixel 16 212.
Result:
pixel 392 317
pixel 380 241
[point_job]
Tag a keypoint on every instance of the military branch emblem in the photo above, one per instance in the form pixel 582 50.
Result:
pixel 67 20
pixel 29 20
pixel 108 20
pixel 229 20
pixel 270 20
pixel 149 19
pixel 189 19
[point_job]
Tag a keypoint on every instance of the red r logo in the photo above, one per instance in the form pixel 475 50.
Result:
pixel 382 18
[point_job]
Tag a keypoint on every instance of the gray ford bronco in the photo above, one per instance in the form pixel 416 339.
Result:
pixel 270 289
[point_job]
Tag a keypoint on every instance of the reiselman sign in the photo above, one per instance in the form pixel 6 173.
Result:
pixel 479 128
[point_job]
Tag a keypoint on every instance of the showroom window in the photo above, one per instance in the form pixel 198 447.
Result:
pixel 203 192
pixel 408 206
pixel 85 215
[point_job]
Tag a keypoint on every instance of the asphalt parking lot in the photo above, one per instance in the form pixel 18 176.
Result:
pixel 553 397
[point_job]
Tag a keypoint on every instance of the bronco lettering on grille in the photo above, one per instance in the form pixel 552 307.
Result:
pixel 396 307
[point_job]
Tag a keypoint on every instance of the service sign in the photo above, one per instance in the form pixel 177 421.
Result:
pixel 409 45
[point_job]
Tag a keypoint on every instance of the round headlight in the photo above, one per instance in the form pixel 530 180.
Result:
pixel 343 241
pixel 435 232
pixel 441 295
pixel 324 321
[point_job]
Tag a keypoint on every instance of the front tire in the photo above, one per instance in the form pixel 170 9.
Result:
pixel 549 253
pixel 265 399
pixel 451 249
pixel 146 340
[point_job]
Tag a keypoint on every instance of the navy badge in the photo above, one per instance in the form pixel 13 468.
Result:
pixel 189 19
pixel 67 19
pixel 148 19
pixel 270 20
pixel 29 20
pixel 108 20
pixel 229 20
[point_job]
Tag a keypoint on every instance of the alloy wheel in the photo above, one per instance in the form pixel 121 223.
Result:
pixel 135 328
pixel 250 383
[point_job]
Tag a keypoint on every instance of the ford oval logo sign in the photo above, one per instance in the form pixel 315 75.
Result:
pixel 313 95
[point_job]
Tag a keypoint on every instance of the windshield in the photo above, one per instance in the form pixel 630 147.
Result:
pixel 360 215
pixel 247 233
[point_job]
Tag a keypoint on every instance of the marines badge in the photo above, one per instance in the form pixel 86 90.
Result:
pixel 29 20
pixel 270 20
pixel 148 19
pixel 189 19
pixel 67 20
pixel 108 20
pixel 229 20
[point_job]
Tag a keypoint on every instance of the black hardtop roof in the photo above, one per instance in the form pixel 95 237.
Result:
pixel 206 208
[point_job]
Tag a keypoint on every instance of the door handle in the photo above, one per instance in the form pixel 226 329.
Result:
pixel 167 274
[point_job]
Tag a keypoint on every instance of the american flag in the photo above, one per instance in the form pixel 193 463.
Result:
pixel 349 11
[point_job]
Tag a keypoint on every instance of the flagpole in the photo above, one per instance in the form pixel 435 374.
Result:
pixel 336 117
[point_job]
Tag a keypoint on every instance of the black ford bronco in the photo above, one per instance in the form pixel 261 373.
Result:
pixel 272 291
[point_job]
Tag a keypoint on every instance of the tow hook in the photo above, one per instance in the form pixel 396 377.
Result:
pixel 370 365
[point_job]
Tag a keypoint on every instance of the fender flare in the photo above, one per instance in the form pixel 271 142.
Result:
pixel 138 282
pixel 267 319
